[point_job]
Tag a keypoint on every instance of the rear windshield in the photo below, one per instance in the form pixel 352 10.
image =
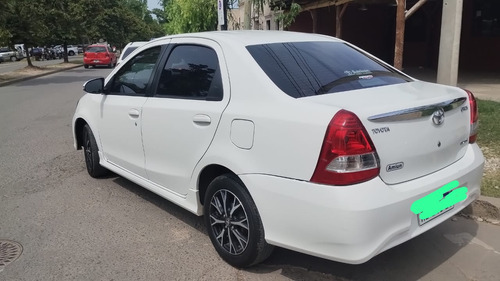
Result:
pixel 127 51
pixel 302 69
pixel 96 50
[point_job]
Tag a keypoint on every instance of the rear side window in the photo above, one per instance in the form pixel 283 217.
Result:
pixel 304 69
pixel 191 72
pixel 127 51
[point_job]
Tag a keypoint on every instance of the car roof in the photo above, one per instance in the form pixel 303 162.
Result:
pixel 136 44
pixel 253 37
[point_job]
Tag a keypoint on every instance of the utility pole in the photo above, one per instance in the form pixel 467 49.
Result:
pixel 449 45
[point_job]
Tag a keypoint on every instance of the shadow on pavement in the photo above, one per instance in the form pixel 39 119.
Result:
pixel 409 261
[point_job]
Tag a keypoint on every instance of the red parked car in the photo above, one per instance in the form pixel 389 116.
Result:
pixel 99 55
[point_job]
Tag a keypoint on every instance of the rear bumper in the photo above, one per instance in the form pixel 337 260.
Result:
pixel 352 224
pixel 95 61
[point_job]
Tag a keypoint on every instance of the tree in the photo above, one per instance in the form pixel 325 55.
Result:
pixel 117 22
pixel 185 16
pixel 60 21
pixel 24 23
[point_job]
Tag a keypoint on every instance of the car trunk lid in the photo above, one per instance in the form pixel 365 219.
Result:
pixel 417 127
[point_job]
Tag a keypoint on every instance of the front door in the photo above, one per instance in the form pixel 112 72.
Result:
pixel 121 112
pixel 180 120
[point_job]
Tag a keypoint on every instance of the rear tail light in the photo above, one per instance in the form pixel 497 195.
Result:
pixel 348 155
pixel 474 116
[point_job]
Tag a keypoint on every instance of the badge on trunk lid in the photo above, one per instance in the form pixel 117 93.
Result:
pixel 395 166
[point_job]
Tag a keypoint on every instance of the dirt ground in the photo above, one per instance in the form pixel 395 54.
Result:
pixel 33 71
pixel 482 210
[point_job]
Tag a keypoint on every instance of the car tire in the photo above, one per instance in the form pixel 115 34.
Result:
pixel 86 65
pixel 13 59
pixel 71 53
pixel 239 222
pixel 91 153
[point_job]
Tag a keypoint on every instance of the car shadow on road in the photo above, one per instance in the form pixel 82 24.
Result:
pixel 409 261
pixel 185 216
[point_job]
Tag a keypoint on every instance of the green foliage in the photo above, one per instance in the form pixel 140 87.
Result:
pixel 51 22
pixel 288 17
pixel 23 22
pixel 185 16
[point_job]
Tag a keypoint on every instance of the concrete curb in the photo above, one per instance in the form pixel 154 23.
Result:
pixel 16 80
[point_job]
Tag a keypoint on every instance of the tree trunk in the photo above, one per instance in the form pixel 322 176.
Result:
pixel 247 14
pixel 65 53
pixel 28 58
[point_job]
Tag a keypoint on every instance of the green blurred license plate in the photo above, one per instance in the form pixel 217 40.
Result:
pixel 424 221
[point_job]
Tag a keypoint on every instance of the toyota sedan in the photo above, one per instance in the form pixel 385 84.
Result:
pixel 294 140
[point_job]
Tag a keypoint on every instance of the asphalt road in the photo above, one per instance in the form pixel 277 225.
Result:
pixel 73 227
pixel 9 66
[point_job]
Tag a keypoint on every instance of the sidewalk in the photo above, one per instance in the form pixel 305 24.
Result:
pixel 484 85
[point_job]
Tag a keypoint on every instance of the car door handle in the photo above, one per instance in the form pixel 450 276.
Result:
pixel 134 113
pixel 202 119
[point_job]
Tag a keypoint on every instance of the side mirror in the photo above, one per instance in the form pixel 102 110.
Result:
pixel 94 86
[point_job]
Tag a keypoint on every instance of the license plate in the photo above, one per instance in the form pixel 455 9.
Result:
pixel 96 60
pixel 424 221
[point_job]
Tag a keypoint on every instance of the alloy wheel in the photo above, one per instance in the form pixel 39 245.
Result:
pixel 229 222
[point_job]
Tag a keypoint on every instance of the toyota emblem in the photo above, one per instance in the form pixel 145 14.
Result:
pixel 438 117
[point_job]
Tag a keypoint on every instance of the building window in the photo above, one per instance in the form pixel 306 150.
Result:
pixel 487 18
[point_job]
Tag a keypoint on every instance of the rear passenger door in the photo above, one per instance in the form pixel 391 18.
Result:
pixel 180 120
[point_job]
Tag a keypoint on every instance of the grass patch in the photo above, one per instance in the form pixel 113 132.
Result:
pixel 489 141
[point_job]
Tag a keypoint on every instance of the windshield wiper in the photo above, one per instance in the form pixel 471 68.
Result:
pixel 327 87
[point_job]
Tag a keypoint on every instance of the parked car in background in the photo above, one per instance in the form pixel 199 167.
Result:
pixel 302 141
pixel 129 48
pixel 72 50
pixel 99 55
pixel 7 54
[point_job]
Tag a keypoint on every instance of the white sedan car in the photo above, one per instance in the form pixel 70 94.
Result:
pixel 295 140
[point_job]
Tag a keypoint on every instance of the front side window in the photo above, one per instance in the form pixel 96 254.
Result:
pixel 191 72
pixel 134 77
pixel 302 69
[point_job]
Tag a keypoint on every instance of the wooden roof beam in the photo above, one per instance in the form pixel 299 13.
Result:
pixel 413 9
pixel 323 4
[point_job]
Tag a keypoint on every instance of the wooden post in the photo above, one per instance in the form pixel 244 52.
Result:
pixel 339 14
pixel 314 16
pixel 400 34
